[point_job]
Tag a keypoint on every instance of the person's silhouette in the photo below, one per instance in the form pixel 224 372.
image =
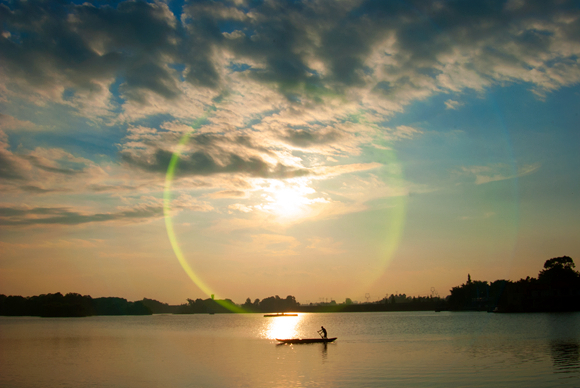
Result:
pixel 324 333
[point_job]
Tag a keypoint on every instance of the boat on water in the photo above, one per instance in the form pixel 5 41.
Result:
pixel 306 340
pixel 281 315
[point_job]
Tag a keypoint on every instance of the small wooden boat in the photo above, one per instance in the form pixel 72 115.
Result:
pixel 281 315
pixel 305 340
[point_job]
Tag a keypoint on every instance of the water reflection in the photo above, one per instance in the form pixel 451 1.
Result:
pixel 282 327
pixel 564 334
pixel 324 351
pixel 565 356
pixel 323 348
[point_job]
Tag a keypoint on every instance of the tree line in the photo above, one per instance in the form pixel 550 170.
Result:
pixel 69 305
pixel 201 306
pixel 556 289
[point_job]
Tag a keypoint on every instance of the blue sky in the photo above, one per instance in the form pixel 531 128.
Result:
pixel 322 149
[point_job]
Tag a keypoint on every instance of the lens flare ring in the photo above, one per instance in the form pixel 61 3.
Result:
pixel 391 242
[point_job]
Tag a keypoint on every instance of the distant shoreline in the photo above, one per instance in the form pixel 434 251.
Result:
pixel 557 289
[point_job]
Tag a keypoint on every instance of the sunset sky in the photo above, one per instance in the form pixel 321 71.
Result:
pixel 321 149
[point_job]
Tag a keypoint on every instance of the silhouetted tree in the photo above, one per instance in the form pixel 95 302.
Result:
pixel 249 306
pixel 275 303
pixel 201 306
pixel 291 302
pixel 473 295
pixel 556 289
pixel 157 307
pixel 69 305
pixel 14 306
pixel 564 262
pixel 119 306
pixel 559 271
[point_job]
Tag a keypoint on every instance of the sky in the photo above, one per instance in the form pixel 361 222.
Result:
pixel 321 149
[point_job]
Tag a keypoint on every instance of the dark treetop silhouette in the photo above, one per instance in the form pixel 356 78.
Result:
pixel 69 305
pixel 557 288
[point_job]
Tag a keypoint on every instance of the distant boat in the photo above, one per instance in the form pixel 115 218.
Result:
pixel 281 315
pixel 305 340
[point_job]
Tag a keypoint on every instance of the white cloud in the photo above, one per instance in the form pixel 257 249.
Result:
pixel 452 104
pixel 9 123
pixel 327 68
pixel 499 172
pixel 240 207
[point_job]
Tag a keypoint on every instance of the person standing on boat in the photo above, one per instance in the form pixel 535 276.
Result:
pixel 324 333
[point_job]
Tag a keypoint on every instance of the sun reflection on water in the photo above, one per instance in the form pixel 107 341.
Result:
pixel 282 327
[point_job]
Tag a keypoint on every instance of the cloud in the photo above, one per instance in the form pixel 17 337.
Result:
pixel 10 169
pixel 187 202
pixel 202 163
pixel 263 90
pixel 498 172
pixel 41 164
pixel 21 216
pixel 262 82
pixel 9 123
pixel 305 138
pixel 228 194
pixel 386 55
pixel 149 208
pixel 45 170
pixel 39 190
pixel 209 154
pixel 451 104
pixel 56 46
pixel 7 247
pixel 240 207
pixel 406 132
pixel 345 169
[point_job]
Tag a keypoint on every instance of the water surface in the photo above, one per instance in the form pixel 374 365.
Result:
pixel 389 349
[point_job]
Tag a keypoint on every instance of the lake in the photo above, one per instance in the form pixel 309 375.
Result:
pixel 388 349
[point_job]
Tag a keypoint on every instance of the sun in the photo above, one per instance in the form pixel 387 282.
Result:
pixel 289 199
pixel 289 202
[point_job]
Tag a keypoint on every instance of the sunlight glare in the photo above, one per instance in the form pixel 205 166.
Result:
pixel 283 327
pixel 288 199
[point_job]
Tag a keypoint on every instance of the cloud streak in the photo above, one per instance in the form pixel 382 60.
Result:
pixel 18 216
pixel 498 172
pixel 149 209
